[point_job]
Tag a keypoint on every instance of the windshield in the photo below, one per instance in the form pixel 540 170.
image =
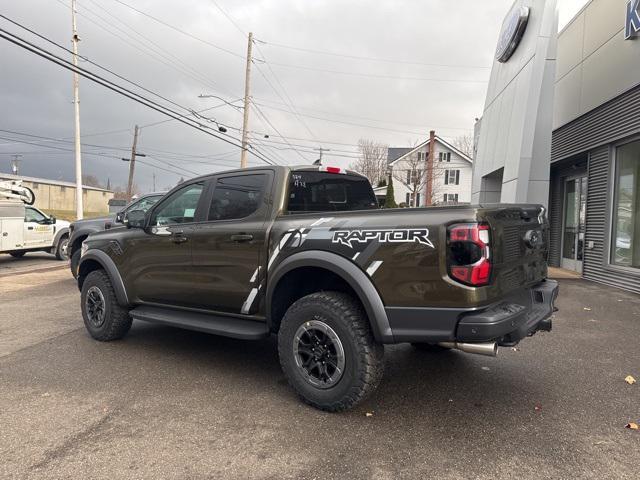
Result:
pixel 311 191
pixel 144 204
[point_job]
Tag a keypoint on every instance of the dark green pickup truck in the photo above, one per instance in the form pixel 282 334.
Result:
pixel 305 254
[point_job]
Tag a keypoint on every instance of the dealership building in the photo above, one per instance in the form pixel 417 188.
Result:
pixel 594 189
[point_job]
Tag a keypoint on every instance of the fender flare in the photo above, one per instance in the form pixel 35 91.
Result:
pixel 110 267
pixel 85 232
pixel 358 280
pixel 58 236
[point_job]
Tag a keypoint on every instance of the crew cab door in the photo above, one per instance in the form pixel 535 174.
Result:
pixel 158 267
pixel 229 246
pixel 38 229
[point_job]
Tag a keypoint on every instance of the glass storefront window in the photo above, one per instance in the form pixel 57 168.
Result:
pixel 625 245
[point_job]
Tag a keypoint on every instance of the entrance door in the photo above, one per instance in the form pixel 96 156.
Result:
pixel 573 231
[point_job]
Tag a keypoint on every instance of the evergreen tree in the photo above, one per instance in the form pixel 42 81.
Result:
pixel 390 200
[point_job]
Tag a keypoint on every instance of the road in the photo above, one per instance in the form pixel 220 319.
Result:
pixel 29 263
pixel 165 403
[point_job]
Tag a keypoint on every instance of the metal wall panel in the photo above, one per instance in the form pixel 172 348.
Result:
pixel 595 265
pixel 614 120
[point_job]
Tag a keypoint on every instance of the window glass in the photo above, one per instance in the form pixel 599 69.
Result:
pixel 236 197
pixel 33 215
pixel 144 204
pixel 180 207
pixel 626 224
pixel 313 191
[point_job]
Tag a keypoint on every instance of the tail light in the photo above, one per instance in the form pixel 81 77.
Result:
pixel 469 246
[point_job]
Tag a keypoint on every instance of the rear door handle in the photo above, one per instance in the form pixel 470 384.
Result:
pixel 29 228
pixel 241 237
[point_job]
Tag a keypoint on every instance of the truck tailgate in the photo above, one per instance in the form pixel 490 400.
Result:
pixel 521 242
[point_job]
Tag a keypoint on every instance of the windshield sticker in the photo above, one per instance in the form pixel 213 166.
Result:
pixel 347 237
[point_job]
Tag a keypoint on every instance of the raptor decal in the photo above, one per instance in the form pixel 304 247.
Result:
pixel 347 237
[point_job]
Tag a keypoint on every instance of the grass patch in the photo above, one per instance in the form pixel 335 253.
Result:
pixel 70 215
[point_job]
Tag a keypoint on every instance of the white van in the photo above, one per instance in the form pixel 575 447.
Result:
pixel 25 229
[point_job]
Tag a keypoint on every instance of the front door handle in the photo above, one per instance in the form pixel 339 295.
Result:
pixel 177 236
pixel 241 237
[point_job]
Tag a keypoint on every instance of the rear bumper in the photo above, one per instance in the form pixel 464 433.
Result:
pixel 507 322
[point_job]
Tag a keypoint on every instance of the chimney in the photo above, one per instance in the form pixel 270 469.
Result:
pixel 428 200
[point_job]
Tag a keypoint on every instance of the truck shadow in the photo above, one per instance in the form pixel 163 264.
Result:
pixel 447 383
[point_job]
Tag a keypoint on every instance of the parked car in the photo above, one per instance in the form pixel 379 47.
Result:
pixel 305 254
pixel 81 229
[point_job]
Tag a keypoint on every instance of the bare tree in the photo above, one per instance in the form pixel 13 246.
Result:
pixel 412 171
pixel 91 181
pixel 464 143
pixel 372 161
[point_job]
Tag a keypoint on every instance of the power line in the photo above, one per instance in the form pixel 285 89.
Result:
pixel 113 86
pixel 373 59
pixel 374 75
pixel 357 117
pixel 147 50
pixel 179 30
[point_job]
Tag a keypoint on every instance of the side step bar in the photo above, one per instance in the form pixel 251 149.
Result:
pixel 202 322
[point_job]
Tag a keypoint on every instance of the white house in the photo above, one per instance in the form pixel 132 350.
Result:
pixel 451 173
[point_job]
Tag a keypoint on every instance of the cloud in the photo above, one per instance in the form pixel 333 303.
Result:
pixel 35 96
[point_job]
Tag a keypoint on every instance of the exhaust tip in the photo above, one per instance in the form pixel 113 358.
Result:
pixel 489 349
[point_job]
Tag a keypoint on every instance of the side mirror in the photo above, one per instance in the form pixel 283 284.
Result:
pixel 120 217
pixel 52 220
pixel 134 219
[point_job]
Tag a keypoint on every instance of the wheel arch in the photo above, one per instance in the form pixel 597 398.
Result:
pixel 346 276
pixel 59 235
pixel 96 260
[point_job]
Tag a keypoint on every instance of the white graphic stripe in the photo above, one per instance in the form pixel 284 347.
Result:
pixel 246 306
pixel 255 275
pixel 356 255
pixel 320 221
pixel 373 267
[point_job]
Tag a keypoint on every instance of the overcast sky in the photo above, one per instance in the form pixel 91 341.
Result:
pixel 442 51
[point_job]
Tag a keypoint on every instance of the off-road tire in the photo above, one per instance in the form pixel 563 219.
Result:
pixel 17 254
pixel 61 243
pixel 117 320
pixel 364 357
pixel 430 347
pixel 74 263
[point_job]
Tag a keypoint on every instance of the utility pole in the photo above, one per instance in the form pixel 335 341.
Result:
pixel 321 150
pixel 154 181
pixel 76 105
pixel 132 163
pixel 245 119
pixel 15 164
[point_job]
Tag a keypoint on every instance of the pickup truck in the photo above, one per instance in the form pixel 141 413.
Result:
pixel 81 229
pixel 305 254
pixel 24 228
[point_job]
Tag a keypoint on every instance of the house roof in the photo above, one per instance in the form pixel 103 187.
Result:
pixel 409 151
pixel 46 181
pixel 393 153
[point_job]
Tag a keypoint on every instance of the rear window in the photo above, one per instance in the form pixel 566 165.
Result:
pixel 311 191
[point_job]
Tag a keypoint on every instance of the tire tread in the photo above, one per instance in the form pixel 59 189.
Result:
pixel 371 352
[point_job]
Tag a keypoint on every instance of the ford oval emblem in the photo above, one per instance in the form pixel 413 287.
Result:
pixel 512 31
pixel 533 238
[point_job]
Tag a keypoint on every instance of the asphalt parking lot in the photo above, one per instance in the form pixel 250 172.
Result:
pixel 30 262
pixel 165 403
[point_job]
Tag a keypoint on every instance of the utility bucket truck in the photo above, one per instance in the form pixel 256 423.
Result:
pixel 24 228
